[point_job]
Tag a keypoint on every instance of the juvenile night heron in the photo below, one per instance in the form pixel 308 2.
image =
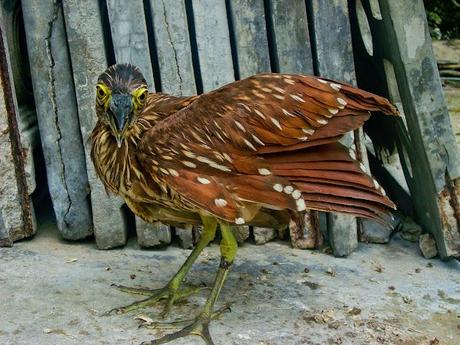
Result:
pixel 257 151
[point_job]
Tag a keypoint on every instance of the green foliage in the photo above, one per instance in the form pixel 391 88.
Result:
pixel 443 18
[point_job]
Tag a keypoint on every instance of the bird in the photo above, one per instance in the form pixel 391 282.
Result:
pixel 258 151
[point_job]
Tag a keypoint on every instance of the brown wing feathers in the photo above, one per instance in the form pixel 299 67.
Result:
pixel 269 139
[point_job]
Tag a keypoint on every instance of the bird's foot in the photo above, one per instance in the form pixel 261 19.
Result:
pixel 169 293
pixel 198 326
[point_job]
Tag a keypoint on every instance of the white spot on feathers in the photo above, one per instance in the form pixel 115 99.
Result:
pixel 335 86
pixel 276 123
pixel 296 194
pixel 220 202
pixel 278 187
pixel 264 171
pixel 213 164
pixel 322 81
pixel 203 180
pixel 240 126
pixel 297 98
pixel 341 101
pixel 259 114
pixel 244 106
pixel 322 121
pixel 288 189
pixel 189 154
pixel 173 172
pixel 301 204
pixel 258 140
pixel 189 164
pixel 333 111
pixel 249 144
pixel 285 112
pixel 227 157
pixel 309 131
pixel 376 184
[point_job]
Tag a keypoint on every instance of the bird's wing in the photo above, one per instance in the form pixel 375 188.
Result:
pixel 211 152
pixel 163 105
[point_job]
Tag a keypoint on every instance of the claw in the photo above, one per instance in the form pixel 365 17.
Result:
pixel 183 323
pixel 180 295
pixel 200 326
pixel 136 291
pixel 167 292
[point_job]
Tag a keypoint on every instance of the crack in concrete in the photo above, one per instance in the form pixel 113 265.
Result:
pixel 172 46
pixel 52 95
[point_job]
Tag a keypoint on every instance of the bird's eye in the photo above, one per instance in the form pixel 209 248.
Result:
pixel 101 91
pixel 142 96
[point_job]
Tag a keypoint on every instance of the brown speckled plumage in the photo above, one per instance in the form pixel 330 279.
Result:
pixel 244 153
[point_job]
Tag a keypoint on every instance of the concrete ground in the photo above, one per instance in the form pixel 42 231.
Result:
pixel 54 293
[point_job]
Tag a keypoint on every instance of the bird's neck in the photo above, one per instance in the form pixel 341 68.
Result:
pixel 117 166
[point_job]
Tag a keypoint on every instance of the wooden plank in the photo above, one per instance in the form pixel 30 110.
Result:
pixel 291 36
pixel 57 116
pixel 130 43
pixel 288 26
pixel 335 60
pixel 428 151
pixel 213 42
pixel 251 42
pixel 16 213
pixel 173 47
pixel 379 78
pixel 129 36
pixel 86 45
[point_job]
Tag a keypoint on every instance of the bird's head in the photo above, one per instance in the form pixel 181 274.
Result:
pixel 121 93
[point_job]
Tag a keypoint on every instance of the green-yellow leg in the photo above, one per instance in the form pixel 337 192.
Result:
pixel 200 326
pixel 171 291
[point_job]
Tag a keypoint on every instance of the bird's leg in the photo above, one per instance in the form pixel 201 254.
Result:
pixel 200 325
pixel 171 291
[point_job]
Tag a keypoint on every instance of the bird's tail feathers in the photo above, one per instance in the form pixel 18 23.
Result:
pixel 331 179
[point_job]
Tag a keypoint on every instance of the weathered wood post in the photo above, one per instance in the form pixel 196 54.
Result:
pixel 250 35
pixel 334 59
pixel 213 43
pixel 426 144
pixel 88 56
pixel 16 210
pixel 58 117
pixel 173 48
